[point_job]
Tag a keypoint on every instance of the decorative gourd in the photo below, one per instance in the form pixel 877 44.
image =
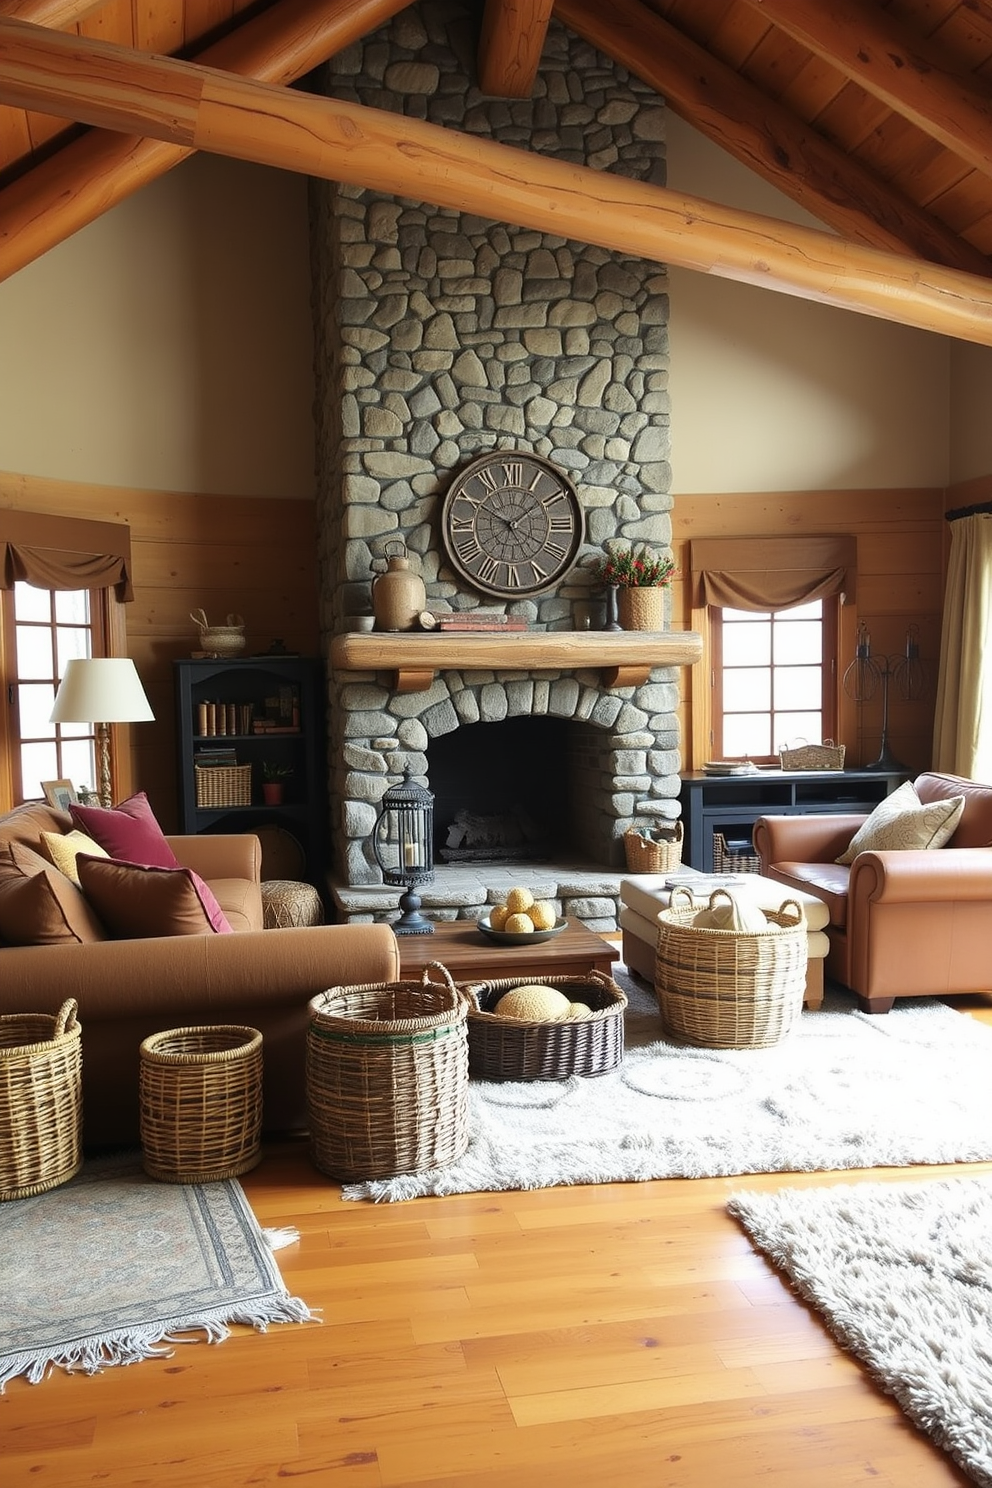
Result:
pixel 535 1003
pixel 518 924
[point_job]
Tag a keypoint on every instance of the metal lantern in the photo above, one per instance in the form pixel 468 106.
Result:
pixel 403 844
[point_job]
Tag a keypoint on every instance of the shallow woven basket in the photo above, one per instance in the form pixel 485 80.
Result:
pixel 825 756
pixel 646 855
pixel 41 1101
pixel 222 785
pixel 730 989
pixel 201 1103
pixel 518 1049
pixel 387 1077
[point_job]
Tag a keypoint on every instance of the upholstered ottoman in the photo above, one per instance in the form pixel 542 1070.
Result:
pixel 644 895
pixel 287 903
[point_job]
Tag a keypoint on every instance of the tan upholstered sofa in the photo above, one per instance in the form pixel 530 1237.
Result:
pixel 127 989
pixel 903 923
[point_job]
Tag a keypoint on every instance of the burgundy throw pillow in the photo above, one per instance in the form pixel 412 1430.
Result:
pixel 128 831
pixel 137 902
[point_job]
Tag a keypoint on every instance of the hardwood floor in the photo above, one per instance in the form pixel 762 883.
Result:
pixel 621 1334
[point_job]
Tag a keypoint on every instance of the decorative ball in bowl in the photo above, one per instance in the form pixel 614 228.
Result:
pixel 520 919
pixel 519 937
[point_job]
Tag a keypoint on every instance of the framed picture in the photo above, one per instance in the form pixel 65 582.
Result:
pixel 59 793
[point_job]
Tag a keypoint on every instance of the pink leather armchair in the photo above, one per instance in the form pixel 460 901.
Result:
pixel 902 924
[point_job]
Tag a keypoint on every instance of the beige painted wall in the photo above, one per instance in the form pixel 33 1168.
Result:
pixel 168 345
pixel 774 393
pixel 971 411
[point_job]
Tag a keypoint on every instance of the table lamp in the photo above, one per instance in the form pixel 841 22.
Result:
pixel 101 690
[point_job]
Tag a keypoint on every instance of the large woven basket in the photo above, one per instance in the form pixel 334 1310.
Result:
pixel 727 860
pixel 825 756
pixel 730 989
pixel 387 1077
pixel 653 855
pixel 41 1101
pixel 200 1093
pixel 517 1049
pixel 222 785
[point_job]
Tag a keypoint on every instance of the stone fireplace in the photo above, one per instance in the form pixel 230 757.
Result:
pixel 440 336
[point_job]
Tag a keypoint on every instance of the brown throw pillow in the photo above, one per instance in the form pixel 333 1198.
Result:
pixel 39 905
pixel 136 902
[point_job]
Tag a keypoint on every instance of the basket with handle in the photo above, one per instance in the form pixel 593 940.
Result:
pixel 387 1077
pixel 200 1102
pixel 803 756
pixel 41 1102
pixel 220 640
pixel 730 989
pixel 647 854
pixel 503 1048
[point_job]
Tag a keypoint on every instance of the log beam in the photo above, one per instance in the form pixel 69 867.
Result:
pixel 513 33
pixel 873 49
pixel 192 106
pixel 94 172
pixel 764 135
pixel 53 13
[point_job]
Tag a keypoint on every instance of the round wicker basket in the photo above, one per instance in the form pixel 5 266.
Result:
pixel 41 1101
pixel 201 1103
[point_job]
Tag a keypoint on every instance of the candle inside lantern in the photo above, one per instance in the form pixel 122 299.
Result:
pixel 410 854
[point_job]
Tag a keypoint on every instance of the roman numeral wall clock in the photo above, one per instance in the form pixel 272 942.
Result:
pixel 512 524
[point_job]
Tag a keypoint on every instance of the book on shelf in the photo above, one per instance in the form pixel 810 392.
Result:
pixel 488 623
pixel 208 758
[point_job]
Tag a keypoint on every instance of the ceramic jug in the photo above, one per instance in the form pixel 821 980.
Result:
pixel 398 596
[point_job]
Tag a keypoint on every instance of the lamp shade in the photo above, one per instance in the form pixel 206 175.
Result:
pixel 101 689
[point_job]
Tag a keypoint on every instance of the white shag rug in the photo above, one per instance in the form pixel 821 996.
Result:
pixel 902 1275
pixel 844 1089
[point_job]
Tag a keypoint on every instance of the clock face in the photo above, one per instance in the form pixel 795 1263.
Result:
pixel 512 524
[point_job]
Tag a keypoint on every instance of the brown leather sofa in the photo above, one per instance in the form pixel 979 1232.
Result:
pixel 902 924
pixel 128 989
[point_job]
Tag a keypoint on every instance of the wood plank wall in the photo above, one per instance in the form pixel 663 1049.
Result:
pixel 254 557
pixel 901 536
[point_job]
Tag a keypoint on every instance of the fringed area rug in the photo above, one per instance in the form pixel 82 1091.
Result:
pixel 113 1267
pixel 845 1089
pixel 902 1275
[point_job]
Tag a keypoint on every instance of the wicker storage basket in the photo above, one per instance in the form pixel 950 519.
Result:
pixel 223 785
pixel 646 855
pixel 41 1101
pixel 387 1077
pixel 200 1092
pixel 825 756
pixel 514 1049
pixel 730 989
pixel 729 860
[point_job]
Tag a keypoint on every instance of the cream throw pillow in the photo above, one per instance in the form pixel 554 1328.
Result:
pixel 64 847
pixel 902 821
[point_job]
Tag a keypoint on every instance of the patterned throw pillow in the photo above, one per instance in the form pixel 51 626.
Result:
pixel 64 847
pixel 128 831
pixel 903 821
pixel 136 902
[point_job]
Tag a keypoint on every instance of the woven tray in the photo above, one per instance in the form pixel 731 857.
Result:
pixel 41 1102
pixel 387 1077
pixel 200 1094
pixel 223 785
pixel 825 756
pixel 648 855
pixel 514 1049
pixel 730 989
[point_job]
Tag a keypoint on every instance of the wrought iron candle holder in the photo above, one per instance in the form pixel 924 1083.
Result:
pixel 403 845
pixel 867 672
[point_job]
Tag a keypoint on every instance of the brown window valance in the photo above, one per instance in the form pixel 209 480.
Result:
pixel 771 573
pixel 64 553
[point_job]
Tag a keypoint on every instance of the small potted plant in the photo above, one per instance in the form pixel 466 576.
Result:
pixel 638 577
pixel 273 777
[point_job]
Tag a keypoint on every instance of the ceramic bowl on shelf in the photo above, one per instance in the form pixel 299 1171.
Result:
pixel 510 938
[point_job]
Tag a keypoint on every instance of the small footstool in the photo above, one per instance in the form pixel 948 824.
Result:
pixel 287 904
pixel 644 895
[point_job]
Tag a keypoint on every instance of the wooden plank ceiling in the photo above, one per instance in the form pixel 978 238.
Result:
pixel 874 115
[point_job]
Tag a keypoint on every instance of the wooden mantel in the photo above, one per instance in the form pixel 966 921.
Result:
pixel 625 657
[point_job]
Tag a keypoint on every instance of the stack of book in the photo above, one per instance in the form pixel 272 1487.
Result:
pixel 481 620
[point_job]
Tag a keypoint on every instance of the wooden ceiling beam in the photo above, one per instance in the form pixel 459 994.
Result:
pixel 764 135
pixel 192 106
pixel 54 13
pixel 881 55
pixel 510 46
pixel 95 171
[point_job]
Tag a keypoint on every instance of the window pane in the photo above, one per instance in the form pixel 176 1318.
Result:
pixel 746 615
pixel 77 763
pixel 811 611
pixel 31 603
pixel 747 644
pixel 34 652
pixel 746 733
pixel 747 688
pixel 794 643
pixel 71 643
pixel 72 606
pixel 791 728
pixel 797 687
pixel 36 703
pixel 38 762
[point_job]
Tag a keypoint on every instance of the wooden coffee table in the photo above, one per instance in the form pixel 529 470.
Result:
pixel 461 946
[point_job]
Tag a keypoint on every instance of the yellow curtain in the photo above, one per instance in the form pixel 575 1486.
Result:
pixel 962 738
